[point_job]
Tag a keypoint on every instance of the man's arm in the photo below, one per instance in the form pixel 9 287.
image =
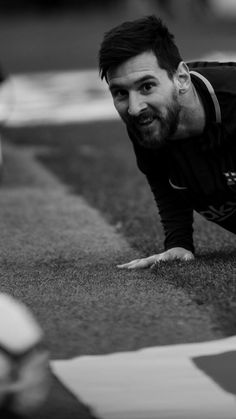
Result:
pixel 175 213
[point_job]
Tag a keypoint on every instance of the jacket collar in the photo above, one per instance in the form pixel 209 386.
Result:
pixel 208 86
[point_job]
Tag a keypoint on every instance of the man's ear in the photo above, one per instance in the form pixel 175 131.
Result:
pixel 183 78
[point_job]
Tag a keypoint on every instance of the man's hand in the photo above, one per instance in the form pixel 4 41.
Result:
pixel 149 262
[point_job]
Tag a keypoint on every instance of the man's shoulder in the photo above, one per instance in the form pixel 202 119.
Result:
pixel 210 64
pixel 222 75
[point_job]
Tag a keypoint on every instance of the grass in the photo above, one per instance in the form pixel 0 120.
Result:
pixel 97 162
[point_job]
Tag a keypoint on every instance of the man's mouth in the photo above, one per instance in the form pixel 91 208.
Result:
pixel 145 121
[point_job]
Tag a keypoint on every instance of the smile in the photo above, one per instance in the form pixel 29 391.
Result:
pixel 146 121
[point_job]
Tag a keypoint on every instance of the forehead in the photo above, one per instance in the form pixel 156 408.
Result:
pixel 135 68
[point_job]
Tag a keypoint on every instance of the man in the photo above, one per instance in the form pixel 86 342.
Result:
pixel 181 120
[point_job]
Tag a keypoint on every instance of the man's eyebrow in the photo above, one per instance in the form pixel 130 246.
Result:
pixel 114 86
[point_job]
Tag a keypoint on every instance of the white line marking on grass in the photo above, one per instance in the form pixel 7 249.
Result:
pixel 167 382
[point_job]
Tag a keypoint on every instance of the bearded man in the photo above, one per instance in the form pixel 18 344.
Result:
pixel 181 119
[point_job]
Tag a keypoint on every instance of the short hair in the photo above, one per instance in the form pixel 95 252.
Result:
pixel 132 38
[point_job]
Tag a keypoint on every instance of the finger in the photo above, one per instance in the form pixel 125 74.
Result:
pixel 140 264
pixel 136 264
pixel 128 264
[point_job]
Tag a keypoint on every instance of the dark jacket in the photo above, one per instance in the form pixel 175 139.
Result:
pixel 198 173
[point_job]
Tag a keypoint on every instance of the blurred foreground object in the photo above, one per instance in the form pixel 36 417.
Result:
pixel 24 371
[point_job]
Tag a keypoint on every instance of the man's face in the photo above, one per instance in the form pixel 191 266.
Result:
pixel 146 99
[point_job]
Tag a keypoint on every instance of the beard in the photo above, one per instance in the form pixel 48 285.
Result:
pixel 162 127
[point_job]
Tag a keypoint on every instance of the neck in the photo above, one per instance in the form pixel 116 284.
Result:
pixel 192 115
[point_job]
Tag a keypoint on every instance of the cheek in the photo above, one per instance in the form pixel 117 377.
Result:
pixel 121 108
pixel 157 101
pixel 163 102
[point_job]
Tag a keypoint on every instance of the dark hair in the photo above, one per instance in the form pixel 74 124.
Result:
pixel 132 38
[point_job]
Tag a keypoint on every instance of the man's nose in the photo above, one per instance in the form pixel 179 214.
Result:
pixel 136 104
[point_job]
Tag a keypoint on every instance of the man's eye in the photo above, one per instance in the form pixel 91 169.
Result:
pixel 120 94
pixel 147 87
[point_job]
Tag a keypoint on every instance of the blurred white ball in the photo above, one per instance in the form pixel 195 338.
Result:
pixel 24 361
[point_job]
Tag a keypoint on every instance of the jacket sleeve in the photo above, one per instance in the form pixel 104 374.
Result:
pixel 175 213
